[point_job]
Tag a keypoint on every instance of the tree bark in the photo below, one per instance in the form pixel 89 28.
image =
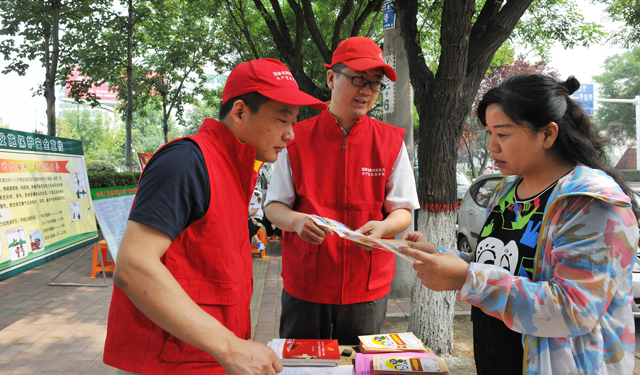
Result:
pixel 432 312
pixel 444 102
pixel 129 111
pixel 51 57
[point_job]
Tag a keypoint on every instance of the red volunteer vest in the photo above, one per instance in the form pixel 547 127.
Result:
pixel 211 259
pixel 342 179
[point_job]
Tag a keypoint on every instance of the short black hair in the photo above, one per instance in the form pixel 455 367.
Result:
pixel 253 100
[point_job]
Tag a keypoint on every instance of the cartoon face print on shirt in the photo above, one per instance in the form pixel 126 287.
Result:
pixel 493 251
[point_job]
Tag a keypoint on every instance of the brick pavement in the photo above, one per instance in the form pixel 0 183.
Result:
pixel 61 330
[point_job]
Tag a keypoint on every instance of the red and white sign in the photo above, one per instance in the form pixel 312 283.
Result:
pixel 103 91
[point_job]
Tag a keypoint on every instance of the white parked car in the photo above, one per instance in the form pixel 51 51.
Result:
pixel 473 209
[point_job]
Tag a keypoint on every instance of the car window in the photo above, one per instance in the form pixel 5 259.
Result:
pixel 484 192
pixel 461 178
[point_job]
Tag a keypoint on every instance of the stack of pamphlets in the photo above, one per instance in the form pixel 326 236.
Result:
pixel 306 352
pixel 398 364
pixel 363 363
pixel 351 235
pixel 391 343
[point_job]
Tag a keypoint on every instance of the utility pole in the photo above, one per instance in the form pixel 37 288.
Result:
pixel 635 101
pixel 398 110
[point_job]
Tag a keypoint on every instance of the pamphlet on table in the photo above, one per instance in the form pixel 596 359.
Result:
pixel 391 343
pixel 306 352
pixel 406 364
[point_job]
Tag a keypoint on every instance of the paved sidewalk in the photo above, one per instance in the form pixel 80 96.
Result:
pixel 61 330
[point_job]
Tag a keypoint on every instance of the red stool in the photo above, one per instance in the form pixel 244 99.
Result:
pixel 95 264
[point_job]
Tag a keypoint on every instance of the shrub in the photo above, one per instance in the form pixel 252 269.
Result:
pixel 100 166
pixel 111 179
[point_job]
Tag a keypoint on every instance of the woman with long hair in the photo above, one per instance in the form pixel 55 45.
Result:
pixel 550 279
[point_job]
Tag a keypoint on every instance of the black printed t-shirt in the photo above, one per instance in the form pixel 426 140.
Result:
pixel 508 239
pixel 174 190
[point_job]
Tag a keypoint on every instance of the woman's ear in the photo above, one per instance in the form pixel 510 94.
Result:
pixel 550 134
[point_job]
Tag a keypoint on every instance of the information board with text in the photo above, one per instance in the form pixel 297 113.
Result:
pixel 112 207
pixel 44 200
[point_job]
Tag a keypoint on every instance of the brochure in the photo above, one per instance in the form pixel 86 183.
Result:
pixel 351 235
pixel 409 365
pixel 306 352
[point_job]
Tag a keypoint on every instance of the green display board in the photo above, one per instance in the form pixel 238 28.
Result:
pixel 44 200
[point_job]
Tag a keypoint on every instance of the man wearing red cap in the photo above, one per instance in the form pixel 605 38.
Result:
pixel 345 166
pixel 180 303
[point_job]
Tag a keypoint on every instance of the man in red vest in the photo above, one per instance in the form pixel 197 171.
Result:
pixel 346 166
pixel 183 276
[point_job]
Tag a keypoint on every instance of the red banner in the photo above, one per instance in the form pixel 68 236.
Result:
pixel 143 159
pixel 29 166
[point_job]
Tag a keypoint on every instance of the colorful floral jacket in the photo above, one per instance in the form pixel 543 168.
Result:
pixel 575 315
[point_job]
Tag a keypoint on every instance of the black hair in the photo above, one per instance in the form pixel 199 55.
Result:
pixel 338 66
pixel 253 100
pixel 535 100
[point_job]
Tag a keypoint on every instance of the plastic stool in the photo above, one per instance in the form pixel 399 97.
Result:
pixel 95 264
pixel 261 238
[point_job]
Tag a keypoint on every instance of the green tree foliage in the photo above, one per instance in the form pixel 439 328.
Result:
pixel 620 80
pixel 147 132
pixel 106 48
pixel 474 138
pixel 34 31
pixel 303 34
pixel 4 125
pixel 102 136
pixel 626 12
pixel 209 107
pixel 179 48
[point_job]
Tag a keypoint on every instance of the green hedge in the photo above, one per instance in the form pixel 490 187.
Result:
pixel 112 179
pixel 100 166
pixel 632 175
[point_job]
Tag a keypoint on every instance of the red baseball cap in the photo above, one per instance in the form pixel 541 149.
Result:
pixel 362 54
pixel 268 77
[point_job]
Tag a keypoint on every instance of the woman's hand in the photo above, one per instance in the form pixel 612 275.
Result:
pixel 439 272
pixel 416 240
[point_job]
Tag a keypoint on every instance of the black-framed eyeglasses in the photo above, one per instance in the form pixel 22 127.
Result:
pixel 360 81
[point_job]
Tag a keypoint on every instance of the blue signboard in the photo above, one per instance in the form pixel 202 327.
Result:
pixel 389 16
pixel 584 96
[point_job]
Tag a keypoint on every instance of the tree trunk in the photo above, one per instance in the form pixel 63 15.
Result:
pixel 165 120
pixel 51 65
pixel 443 102
pixel 129 112
pixel 432 312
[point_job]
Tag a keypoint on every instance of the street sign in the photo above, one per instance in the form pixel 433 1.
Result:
pixel 389 16
pixel 584 96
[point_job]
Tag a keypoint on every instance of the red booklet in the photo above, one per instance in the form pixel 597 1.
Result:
pixel 311 349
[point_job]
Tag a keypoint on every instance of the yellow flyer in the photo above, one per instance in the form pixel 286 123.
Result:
pixel 44 200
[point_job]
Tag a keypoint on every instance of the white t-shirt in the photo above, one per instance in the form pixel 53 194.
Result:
pixel 400 186
pixel 256 202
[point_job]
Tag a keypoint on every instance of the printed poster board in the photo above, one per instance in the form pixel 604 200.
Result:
pixel 44 200
pixel 112 207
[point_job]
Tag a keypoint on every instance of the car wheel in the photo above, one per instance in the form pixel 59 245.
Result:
pixel 464 245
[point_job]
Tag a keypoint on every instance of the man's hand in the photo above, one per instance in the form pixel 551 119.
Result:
pixel 250 358
pixel 308 230
pixel 254 221
pixel 373 229
pixel 416 240
pixel 439 272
